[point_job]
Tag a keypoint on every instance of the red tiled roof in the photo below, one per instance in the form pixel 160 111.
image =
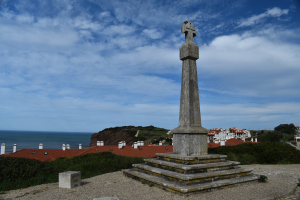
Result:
pixel 213 145
pixel 146 151
pixel 141 151
pixel 52 154
pixel 45 154
pixel 233 141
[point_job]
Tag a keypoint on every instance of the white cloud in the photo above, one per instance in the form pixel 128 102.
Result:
pixel 152 33
pixel 84 22
pixel 255 19
pixel 24 36
pixel 250 65
pixel 118 29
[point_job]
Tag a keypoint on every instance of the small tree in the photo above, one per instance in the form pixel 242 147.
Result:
pixel 286 128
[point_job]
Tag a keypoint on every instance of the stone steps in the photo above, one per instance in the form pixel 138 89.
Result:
pixel 187 160
pixel 173 186
pixel 190 174
pixel 187 179
pixel 190 169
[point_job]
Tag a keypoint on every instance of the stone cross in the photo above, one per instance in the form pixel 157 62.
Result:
pixel 190 32
pixel 189 138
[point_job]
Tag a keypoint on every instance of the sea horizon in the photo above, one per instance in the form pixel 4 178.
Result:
pixel 50 139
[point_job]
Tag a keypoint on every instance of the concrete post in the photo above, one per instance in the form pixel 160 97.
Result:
pixel 101 143
pixel 2 148
pixel 15 148
pixel 120 145
pixel 251 139
pixel 256 139
pixel 160 143
pixel 222 143
pixel 64 147
pixel 189 138
pixel 41 146
pixel 135 145
pixel 80 146
pixel 142 143
pixel 98 143
pixel 68 146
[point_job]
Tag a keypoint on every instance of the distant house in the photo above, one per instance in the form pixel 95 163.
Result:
pixel 298 129
pixel 297 136
pixel 219 134
pixel 137 150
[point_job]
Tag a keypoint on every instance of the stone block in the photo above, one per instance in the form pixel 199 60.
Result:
pixel 69 179
pixel 189 51
pixel 190 144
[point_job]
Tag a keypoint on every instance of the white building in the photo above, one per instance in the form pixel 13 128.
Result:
pixel 218 134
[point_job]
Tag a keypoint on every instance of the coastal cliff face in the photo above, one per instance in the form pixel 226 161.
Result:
pixel 114 135
pixel 111 138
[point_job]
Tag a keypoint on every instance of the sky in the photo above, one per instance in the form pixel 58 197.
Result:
pixel 87 65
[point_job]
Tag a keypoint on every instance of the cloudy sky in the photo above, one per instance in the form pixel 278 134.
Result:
pixel 86 65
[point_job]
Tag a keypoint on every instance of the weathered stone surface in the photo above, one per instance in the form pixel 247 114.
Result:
pixel 191 169
pixel 173 186
pixel 189 51
pixel 197 159
pixel 69 179
pixel 190 144
pixel 187 179
pixel 189 114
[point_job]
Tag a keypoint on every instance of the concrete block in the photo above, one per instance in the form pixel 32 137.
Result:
pixel 69 179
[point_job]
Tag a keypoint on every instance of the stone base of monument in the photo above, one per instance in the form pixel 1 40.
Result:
pixel 191 174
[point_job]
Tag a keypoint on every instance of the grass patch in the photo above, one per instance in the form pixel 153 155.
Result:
pixel 18 173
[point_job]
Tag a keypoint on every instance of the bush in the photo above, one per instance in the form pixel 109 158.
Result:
pixel 263 178
pixel 260 153
pixel 18 173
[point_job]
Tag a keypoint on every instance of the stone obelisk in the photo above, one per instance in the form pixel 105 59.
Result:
pixel 189 138
pixel 189 169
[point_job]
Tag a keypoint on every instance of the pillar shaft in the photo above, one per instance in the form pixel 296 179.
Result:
pixel 189 114
pixel 189 138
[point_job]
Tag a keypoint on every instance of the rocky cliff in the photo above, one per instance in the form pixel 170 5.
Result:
pixel 112 136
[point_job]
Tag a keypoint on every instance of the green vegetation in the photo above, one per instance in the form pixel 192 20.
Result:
pixel 282 132
pixel 148 134
pixel 263 178
pixel 260 153
pixel 18 173
pixel 286 128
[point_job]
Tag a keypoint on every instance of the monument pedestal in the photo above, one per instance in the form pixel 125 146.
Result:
pixel 190 144
pixel 190 174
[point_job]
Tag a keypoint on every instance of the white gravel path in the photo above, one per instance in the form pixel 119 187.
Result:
pixel 282 179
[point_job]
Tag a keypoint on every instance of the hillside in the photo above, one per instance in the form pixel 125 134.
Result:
pixel 113 135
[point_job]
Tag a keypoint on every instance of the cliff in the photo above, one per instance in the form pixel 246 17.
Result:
pixel 112 136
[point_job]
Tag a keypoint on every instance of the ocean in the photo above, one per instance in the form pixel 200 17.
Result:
pixel 50 140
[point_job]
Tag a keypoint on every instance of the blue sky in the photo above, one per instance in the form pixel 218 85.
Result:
pixel 86 65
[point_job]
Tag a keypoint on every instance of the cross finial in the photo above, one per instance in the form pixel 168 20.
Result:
pixel 190 32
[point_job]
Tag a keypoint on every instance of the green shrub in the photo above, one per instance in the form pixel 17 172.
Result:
pixel 260 153
pixel 22 172
pixel 263 178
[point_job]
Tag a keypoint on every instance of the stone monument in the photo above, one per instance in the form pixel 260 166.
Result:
pixel 189 138
pixel 189 169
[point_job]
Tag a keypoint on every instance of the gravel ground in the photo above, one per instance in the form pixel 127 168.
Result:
pixel 281 180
